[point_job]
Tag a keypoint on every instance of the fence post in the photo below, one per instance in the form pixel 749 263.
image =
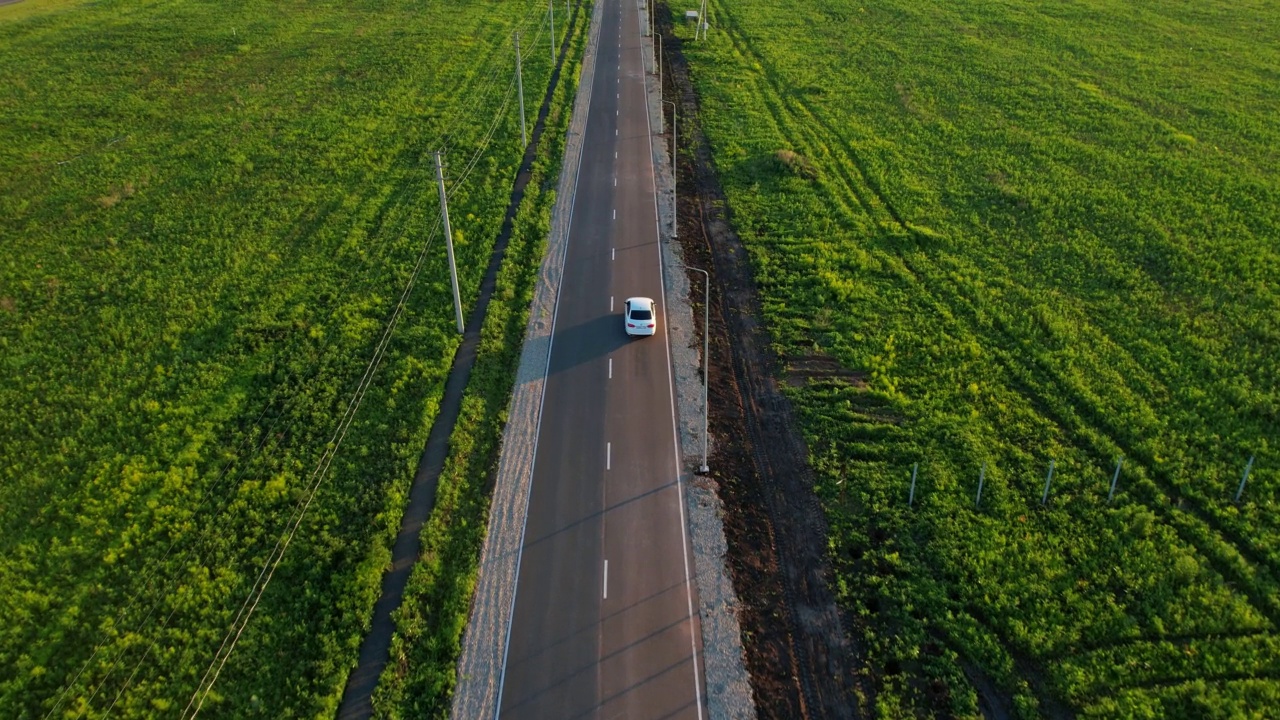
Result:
pixel 1114 478
pixel 1243 480
pixel 912 497
pixel 981 476
pixel 1045 498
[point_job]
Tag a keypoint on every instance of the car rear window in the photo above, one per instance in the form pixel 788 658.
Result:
pixel 641 314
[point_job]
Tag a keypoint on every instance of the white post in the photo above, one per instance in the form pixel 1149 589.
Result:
pixel 1114 479
pixel 674 148
pixel 982 475
pixel 1045 498
pixel 911 498
pixel 448 243
pixel 1243 480
pixel 659 64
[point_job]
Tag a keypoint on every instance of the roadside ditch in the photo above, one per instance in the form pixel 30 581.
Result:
pixel 799 656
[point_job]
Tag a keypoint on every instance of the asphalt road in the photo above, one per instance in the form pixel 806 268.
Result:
pixel 603 624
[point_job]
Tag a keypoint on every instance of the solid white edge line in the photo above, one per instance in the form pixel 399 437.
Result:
pixel 606 579
pixel 671 386
pixel 555 313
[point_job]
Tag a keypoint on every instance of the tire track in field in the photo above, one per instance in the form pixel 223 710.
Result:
pixel 875 200
pixel 786 121
pixel 1053 398
pixel 1176 659
pixel 788 113
pixel 1196 684
pixel 802 110
pixel 876 211
pixel 1046 391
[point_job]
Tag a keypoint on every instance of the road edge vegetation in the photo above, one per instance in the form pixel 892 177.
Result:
pixel 420 679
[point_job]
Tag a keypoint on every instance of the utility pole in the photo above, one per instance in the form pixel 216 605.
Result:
pixel 551 13
pixel 524 137
pixel 706 360
pixel 448 243
pixel 674 146
pixel 659 36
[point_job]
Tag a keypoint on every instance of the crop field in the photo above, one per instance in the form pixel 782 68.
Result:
pixel 1030 238
pixel 225 324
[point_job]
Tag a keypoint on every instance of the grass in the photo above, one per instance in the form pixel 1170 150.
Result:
pixel 209 213
pixel 419 680
pixel 1040 234
pixel 31 8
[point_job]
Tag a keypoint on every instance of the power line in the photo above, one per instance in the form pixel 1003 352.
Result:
pixel 243 463
pixel 282 544
pixel 231 639
pixel 496 55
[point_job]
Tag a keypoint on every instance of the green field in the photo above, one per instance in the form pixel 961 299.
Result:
pixel 419 679
pixel 1029 233
pixel 210 213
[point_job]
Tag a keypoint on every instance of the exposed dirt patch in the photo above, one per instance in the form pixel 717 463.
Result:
pixel 801 369
pixel 802 664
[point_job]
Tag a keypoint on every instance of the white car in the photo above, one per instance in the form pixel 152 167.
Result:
pixel 640 316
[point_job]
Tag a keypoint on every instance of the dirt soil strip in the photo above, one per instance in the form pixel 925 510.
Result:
pixel 801 661
pixel 376 647
pixel 484 644
pixel 728 684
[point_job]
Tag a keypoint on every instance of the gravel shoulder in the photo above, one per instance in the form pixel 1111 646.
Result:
pixel 801 661
pixel 728 686
pixel 485 642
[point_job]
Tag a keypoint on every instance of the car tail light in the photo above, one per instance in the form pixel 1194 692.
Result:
pixel 650 324
pixel 631 324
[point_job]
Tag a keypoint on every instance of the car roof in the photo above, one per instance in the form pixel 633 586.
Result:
pixel 640 301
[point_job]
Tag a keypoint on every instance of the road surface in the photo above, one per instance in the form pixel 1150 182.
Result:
pixel 603 624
